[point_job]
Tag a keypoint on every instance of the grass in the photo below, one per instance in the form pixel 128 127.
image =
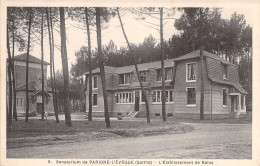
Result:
pixel 38 132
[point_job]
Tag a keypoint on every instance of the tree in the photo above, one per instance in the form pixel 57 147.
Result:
pixel 27 64
pixel 89 66
pixel 162 66
pixel 42 57
pixel 101 66
pixel 9 70
pixel 54 76
pixel 51 65
pixel 65 68
pixel 136 68
pixel 197 16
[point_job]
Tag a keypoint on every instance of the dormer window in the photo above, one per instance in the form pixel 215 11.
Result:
pixel 143 75
pixel 168 74
pixel 191 72
pixel 124 78
pixel 225 71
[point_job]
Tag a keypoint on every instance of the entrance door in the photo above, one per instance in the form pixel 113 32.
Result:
pixel 39 108
pixel 137 100
pixel 232 104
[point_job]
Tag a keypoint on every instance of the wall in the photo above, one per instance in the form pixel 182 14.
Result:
pixel 180 88
pixel 34 70
pixel 33 106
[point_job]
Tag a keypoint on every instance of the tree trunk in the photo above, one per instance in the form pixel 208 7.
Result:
pixel 51 65
pixel 162 66
pixel 137 71
pixel 55 96
pixel 101 66
pixel 27 66
pixel 14 83
pixel 10 99
pixel 42 68
pixel 65 68
pixel 89 68
pixel 201 72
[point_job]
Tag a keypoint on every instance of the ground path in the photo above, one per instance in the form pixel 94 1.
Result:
pixel 207 140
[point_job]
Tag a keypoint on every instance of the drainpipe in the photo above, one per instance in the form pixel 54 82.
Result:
pixel 211 101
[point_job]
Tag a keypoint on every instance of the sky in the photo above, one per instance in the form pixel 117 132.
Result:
pixel 136 31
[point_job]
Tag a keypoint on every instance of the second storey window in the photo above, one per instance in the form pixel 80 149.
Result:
pixel 95 82
pixel 143 75
pixel 124 78
pixel 191 96
pixel 168 74
pixel 191 72
pixel 225 97
pixel 224 71
pixel 94 100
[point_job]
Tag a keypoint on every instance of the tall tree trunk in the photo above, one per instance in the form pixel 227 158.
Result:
pixel 14 83
pixel 137 71
pixel 101 66
pixel 65 68
pixel 42 68
pixel 55 97
pixel 201 72
pixel 51 66
pixel 162 66
pixel 27 66
pixel 89 68
pixel 9 70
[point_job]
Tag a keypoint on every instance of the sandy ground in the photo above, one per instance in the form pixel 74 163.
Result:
pixel 206 141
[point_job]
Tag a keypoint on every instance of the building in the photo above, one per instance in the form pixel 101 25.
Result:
pixel 34 86
pixel 224 96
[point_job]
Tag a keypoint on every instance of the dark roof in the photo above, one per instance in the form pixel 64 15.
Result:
pixel 215 74
pixel 196 54
pixel 23 57
pixel 131 68
pixel 31 86
pixel 40 92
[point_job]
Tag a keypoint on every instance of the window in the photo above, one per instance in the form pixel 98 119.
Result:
pixel 191 72
pixel 94 99
pixel 191 96
pixel 17 102
pixel 157 96
pixel 143 76
pixel 95 82
pixel 225 97
pixel 21 104
pixel 124 78
pixel 159 75
pixel 168 74
pixel 124 97
pixel 224 71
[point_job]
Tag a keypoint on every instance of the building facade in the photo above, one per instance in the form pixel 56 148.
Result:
pixel 224 96
pixel 34 86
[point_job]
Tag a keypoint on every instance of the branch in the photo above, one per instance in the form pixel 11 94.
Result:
pixel 149 26
pixel 171 18
pixel 57 46
pixel 151 23
pixel 35 35
pixel 147 14
pixel 77 27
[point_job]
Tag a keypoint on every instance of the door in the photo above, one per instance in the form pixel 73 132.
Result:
pixel 137 100
pixel 39 108
pixel 232 103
